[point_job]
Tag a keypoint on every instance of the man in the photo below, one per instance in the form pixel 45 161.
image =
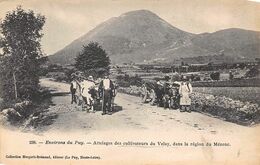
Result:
pixel 166 92
pixel 73 86
pixel 87 85
pixel 159 93
pixel 175 95
pixel 107 91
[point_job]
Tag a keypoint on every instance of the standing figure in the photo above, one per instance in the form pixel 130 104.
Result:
pixel 167 92
pixel 185 90
pixel 73 86
pixel 78 90
pixel 106 90
pixel 175 96
pixel 159 93
pixel 86 86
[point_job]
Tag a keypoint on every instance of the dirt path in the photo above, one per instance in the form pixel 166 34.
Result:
pixel 134 115
pixel 136 122
pixel 144 122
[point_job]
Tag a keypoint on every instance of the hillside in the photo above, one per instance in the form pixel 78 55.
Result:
pixel 229 45
pixel 141 35
pixel 131 32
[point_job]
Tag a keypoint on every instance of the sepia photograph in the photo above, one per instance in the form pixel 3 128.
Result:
pixel 149 82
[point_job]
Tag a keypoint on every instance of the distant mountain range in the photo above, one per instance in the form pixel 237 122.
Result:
pixel 141 36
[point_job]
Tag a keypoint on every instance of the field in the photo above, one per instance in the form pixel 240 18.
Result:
pixel 251 94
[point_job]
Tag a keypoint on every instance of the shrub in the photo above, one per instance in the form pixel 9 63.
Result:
pixel 215 76
pixel 131 90
pixel 127 81
pixel 253 72
pixel 232 110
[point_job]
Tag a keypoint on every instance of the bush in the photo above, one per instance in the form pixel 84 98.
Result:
pixel 253 72
pixel 253 82
pixel 215 76
pixel 24 108
pixel 96 72
pixel 123 83
pixel 127 81
pixel 131 90
pixel 196 78
pixel 54 68
pixel 15 113
pixel 232 110
pixel 68 73
pixel 6 104
pixel 43 71
pixel 9 115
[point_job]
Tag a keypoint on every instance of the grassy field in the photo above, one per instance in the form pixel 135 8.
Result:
pixel 253 82
pixel 251 94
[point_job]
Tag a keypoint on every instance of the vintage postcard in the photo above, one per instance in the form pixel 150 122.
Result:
pixel 149 82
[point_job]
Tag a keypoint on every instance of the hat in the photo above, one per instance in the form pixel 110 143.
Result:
pixel 184 78
pixel 90 78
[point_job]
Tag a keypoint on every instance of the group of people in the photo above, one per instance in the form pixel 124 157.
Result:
pixel 90 93
pixel 174 94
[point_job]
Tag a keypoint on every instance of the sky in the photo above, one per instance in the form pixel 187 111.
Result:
pixel 66 20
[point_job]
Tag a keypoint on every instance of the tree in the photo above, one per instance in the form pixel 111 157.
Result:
pixel 20 61
pixel 92 57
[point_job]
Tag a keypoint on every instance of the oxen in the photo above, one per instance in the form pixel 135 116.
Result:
pixel 152 92
pixel 161 94
pixel 83 101
pixel 90 97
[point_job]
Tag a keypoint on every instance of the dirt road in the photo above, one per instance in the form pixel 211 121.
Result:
pixel 134 115
pixel 169 130
pixel 137 120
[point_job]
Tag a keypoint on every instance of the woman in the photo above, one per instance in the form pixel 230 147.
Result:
pixel 185 90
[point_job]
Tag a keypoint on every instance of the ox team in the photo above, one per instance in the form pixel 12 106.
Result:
pixel 168 93
pixel 90 94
